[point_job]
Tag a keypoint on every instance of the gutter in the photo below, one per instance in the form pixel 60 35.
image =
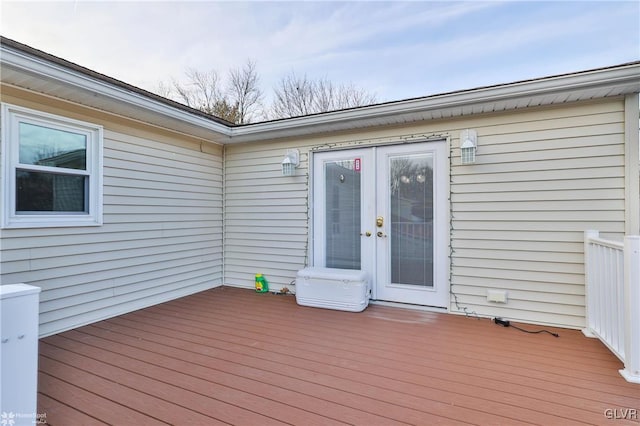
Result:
pixel 64 74
pixel 623 75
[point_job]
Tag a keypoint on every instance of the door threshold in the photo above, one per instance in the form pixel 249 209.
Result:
pixel 423 308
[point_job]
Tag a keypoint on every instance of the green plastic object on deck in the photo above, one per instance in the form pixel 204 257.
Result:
pixel 262 286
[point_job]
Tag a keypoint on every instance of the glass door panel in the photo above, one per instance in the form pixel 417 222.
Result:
pixel 343 201
pixel 342 214
pixel 411 207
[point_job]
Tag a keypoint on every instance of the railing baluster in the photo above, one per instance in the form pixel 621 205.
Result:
pixel 612 292
pixel 619 290
pixel 631 305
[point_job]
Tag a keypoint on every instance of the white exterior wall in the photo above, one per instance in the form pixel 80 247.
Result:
pixel 542 177
pixel 162 232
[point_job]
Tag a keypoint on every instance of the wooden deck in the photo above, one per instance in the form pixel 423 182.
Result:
pixel 231 356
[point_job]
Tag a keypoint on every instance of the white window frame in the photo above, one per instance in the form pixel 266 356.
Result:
pixel 12 116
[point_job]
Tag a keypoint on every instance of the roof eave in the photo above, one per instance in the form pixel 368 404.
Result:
pixel 161 114
pixel 613 81
pixel 83 86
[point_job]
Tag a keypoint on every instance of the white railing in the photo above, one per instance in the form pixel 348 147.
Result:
pixel 612 278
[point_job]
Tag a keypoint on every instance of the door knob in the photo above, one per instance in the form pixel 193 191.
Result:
pixel 381 234
pixel 368 233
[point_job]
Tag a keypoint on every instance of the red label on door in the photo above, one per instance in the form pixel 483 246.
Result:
pixel 356 165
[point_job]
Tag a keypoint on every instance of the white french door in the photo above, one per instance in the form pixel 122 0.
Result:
pixel 384 210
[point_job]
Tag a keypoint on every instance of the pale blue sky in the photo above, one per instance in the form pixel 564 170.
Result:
pixel 396 49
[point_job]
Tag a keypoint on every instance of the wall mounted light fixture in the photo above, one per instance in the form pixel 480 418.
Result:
pixel 290 162
pixel 468 146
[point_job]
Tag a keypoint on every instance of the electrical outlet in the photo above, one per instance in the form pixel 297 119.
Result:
pixel 497 296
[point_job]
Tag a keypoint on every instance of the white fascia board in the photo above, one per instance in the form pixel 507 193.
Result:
pixel 580 82
pixel 60 74
pixel 392 112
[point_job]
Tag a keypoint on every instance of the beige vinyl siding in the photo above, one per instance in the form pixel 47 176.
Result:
pixel 520 212
pixel 162 232
pixel 265 215
pixel 543 176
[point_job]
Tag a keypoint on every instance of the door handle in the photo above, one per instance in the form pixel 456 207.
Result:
pixel 366 234
pixel 381 234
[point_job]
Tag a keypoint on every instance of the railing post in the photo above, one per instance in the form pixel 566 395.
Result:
pixel 588 234
pixel 631 370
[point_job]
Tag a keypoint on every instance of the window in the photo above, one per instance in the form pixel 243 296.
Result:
pixel 51 170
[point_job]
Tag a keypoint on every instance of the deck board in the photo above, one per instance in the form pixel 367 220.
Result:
pixel 58 410
pixel 231 356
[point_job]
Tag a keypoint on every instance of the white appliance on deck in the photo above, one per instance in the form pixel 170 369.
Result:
pixel 341 289
pixel 19 353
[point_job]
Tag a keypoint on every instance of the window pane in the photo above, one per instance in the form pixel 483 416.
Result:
pixel 45 146
pixel 412 220
pixel 342 210
pixel 50 192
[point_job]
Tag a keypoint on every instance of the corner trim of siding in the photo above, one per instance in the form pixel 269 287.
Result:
pixel 632 164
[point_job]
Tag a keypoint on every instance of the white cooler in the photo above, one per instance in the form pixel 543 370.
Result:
pixel 341 289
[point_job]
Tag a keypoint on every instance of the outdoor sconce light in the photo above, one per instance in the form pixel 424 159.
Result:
pixel 290 162
pixel 468 146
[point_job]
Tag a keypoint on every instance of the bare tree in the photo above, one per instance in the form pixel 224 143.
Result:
pixel 202 90
pixel 164 89
pixel 240 100
pixel 295 96
pixel 225 110
pixel 244 92
pixel 237 102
